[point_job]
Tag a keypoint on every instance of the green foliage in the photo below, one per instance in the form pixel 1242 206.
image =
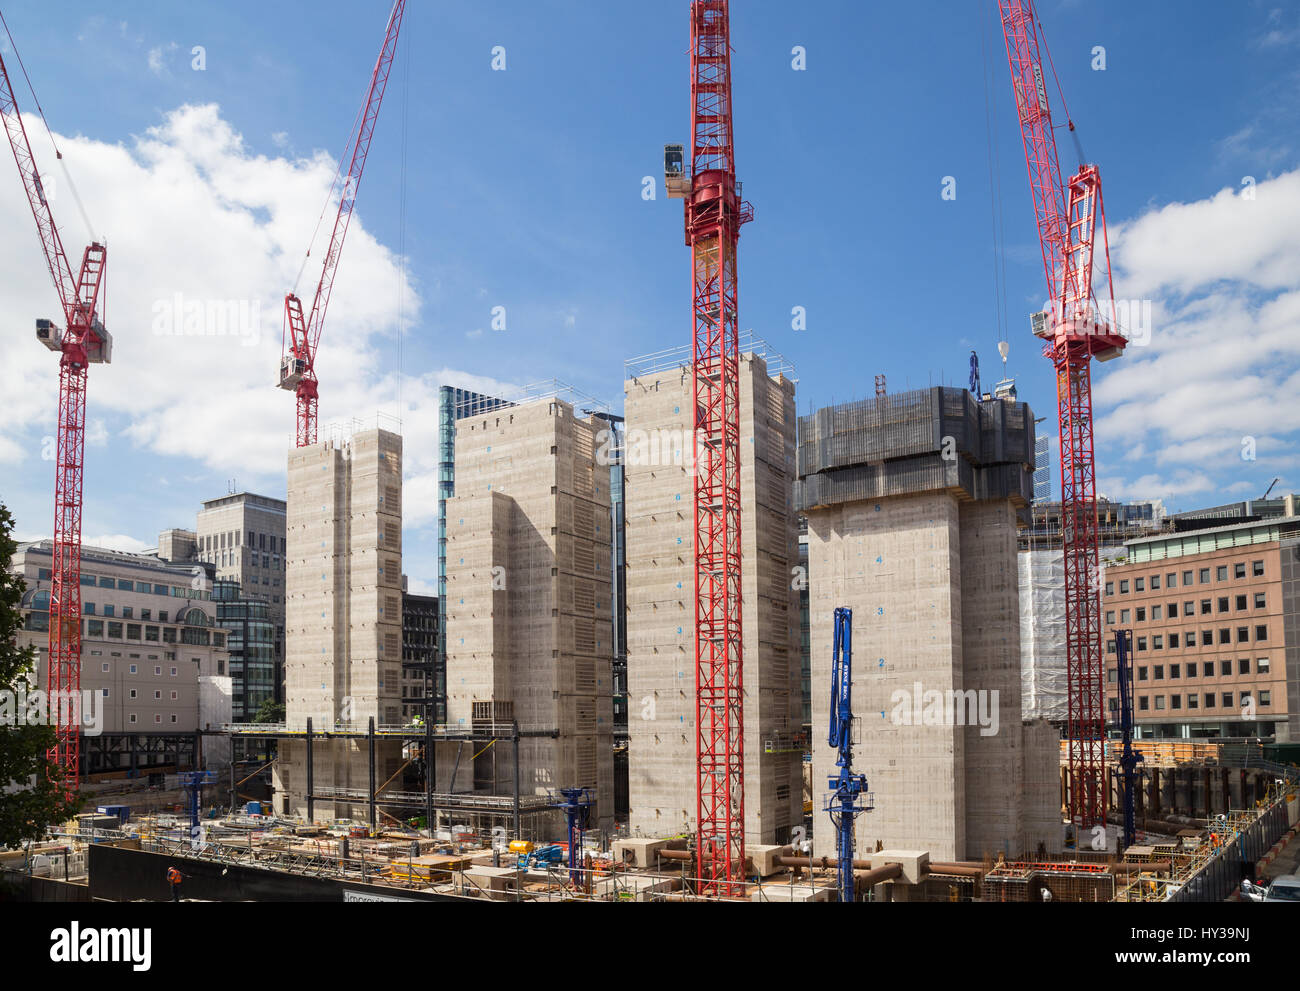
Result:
pixel 31 793
pixel 269 711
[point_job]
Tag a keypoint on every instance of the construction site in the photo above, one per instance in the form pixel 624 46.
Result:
pixel 708 648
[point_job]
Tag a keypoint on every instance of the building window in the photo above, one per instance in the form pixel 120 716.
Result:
pixel 1205 576
pixel 1142 674
pixel 1142 703
pixel 1209 700
pixel 1173 610
pixel 1225 636
pixel 1261 665
pixel 88 608
pixel 1123 587
pixel 1225 668
pixel 1157 642
pixel 133 669
pixel 1124 615
pixel 1243 665
pixel 1171 580
pixel 1265 698
pixel 1160 701
pixel 1175 702
pixel 1257 568
pixel 1173 641
pixel 132 693
pixel 1187 577
pixel 1223 603
pixel 1141 614
pixel 1189 608
pixel 131 718
pixel 1260 601
pixel 104 667
pixel 1139 585
pixel 1155 583
pixel 1175 671
pixel 173 695
pixel 1155 612
pixel 1110 588
pixel 173 672
pixel 1221 573
pixel 1227 700
pixel 1239 570
pixel 1158 673
pixel 1193 701
pixel 1241 602
pixel 1205 607
pixel 1261 633
pixel 1207 638
pixel 1110 618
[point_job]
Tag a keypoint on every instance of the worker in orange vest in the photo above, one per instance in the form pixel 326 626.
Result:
pixel 174 882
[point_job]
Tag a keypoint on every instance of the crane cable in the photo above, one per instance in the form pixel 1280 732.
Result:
pixel 401 228
pixel 58 154
pixel 998 215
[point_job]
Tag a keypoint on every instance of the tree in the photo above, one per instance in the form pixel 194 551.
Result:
pixel 270 711
pixel 31 789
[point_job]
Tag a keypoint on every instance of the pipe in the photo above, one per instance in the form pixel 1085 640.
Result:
pixel 875 876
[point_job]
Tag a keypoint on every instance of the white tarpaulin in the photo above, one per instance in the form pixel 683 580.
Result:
pixel 1042 635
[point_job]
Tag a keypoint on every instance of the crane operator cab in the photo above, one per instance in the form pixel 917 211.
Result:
pixel 675 180
pixel 291 372
pixel 99 351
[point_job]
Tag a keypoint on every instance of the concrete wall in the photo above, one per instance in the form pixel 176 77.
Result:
pixel 661 607
pixel 528 597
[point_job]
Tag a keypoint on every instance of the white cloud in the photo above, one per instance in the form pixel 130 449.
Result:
pixel 117 542
pixel 190 211
pixel 1212 396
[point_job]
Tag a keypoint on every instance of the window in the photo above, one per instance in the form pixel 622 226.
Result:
pixel 1209 700
pixel 1155 583
pixel 1175 671
pixel 1225 668
pixel 1142 674
pixel 128 612
pixel 1139 585
pixel 115 631
pixel 104 667
pixel 1187 577
pixel 151 634
pixel 1123 587
pixel 1175 702
pixel 1205 607
pixel 1243 665
pixel 1155 612
pixel 1160 701
pixel 110 611
pixel 1260 601
pixel 125 585
pixel 173 717
pixel 1173 641
pixel 1141 614
pixel 132 716
pixel 133 631
pixel 157 671
pixel 1225 636
pixel 1142 643
pixel 173 696
pixel 1189 608
pixel 146 614
pixel 158 718
pixel 1207 638
pixel 1243 634
pixel 1171 580
pixel 1193 702
pixel 1257 568
pixel 1173 610
pixel 1157 642
pixel 1261 633
pixel 88 608
pixel 94 627
pixel 1261 665
pixel 1205 576
pixel 1265 698
pixel 1110 588
pixel 133 693
pixel 106 582
pixel 1158 673
pixel 157 695
pixel 1142 703
pixel 1223 603
pixel 1110 618
pixel 1124 615
pixel 1227 700
pixel 1239 570
pixel 1241 602
pixel 173 672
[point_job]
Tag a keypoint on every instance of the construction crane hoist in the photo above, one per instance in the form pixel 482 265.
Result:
pixel 715 212
pixel 80 341
pixel 1076 328
pixel 302 330
pixel 1129 758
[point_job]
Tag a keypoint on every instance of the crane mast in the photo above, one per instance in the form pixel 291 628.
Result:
pixel 79 342
pixel 303 329
pixel 1076 329
pixel 714 213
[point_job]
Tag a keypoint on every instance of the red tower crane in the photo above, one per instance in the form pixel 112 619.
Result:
pixel 1076 329
pixel 80 342
pixel 302 332
pixel 715 213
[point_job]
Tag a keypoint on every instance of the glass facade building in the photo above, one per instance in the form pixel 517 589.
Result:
pixel 250 638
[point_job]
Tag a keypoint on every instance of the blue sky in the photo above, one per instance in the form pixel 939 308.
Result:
pixel 523 189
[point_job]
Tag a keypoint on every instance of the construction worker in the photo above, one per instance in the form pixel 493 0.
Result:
pixel 174 882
